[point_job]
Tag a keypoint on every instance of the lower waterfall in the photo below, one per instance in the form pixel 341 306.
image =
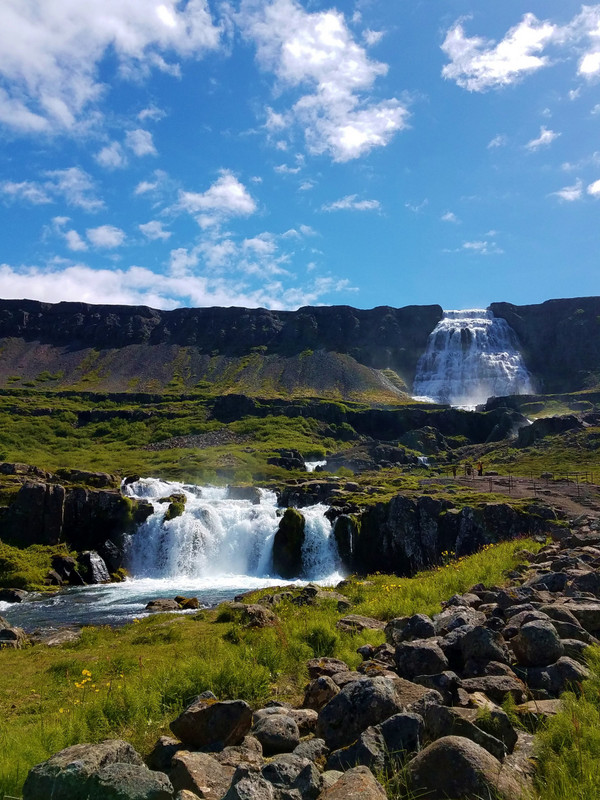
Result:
pixel 471 355
pixel 219 536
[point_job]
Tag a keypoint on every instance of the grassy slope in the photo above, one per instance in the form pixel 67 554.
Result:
pixel 143 674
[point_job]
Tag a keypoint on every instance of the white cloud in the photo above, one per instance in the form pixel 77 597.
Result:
pixel 416 208
pixel 545 138
pixel 154 230
pixel 51 52
pixel 74 241
pixel 594 189
pixel 498 141
pixel 373 37
pixel 106 236
pixel 284 169
pixel 227 197
pixel 478 64
pixel 181 261
pixel 151 112
pixel 450 216
pixel 264 244
pixel 111 156
pixel 319 51
pixel 140 286
pixel 350 202
pixel 76 186
pixel 306 186
pixel 482 248
pixel 25 190
pixel 570 193
pixel 144 187
pixel 140 142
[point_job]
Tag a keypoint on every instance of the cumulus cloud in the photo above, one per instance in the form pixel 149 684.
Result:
pixel 151 112
pixel 479 64
pixel 317 50
pixel 545 138
pixel 227 197
pixel 498 141
pixel 51 52
pixel 570 193
pixel 74 185
pixel 594 189
pixel 482 247
pixel 106 236
pixel 154 230
pixel 140 286
pixel 351 203
pixel 111 156
pixel 140 142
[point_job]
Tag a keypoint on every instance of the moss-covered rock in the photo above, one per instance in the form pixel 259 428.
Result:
pixel 176 505
pixel 287 546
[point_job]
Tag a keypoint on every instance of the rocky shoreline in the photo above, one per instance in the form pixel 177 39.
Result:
pixel 428 703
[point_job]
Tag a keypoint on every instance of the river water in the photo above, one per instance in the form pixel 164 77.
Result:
pixel 218 548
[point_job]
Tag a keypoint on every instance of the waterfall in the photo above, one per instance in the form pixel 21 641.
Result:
pixel 471 355
pixel 219 536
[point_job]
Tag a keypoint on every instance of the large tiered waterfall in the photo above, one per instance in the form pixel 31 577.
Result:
pixel 471 355
pixel 218 536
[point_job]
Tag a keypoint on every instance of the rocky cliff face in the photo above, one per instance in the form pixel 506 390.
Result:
pixel 560 341
pixel 150 340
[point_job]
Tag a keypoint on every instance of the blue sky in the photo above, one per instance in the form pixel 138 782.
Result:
pixel 279 153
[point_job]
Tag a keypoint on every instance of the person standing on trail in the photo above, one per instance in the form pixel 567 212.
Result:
pixel 480 469
pixel 454 470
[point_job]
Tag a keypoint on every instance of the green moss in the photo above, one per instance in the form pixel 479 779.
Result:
pixel 27 568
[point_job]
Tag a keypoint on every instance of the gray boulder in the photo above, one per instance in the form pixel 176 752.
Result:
pixel 442 721
pixel 421 657
pixel 67 775
pixel 93 569
pixel 360 704
pixel 277 733
pixel 206 723
pixel 356 784
pixel 405 629
pixel 319 692
pixel 455 767
pixel 537 644
pixel 129 782
pixel 313 749
pixel 483 644
pixel 200 773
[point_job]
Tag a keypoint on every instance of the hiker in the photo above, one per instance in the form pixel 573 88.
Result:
pixel 480 468
pixel 454 470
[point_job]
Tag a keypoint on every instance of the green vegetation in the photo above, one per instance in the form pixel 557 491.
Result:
pixel 132 681
pixel 28 567
pixel 569 747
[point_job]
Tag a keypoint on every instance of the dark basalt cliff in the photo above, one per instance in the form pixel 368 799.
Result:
pixel 560 341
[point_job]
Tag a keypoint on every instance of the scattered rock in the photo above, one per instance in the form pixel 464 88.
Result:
pixel 200 773
pixel 537 644
pixel 277 733
pixel 354 623
pixel 129 782
pixel 209 723
pixel 163 604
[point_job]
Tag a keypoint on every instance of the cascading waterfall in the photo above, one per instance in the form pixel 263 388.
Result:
pixel 218 536
pixel 471 355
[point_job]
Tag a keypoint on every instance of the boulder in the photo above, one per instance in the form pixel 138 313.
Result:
pixel 313 749
pixel 162 753
pixel 537 644
pixel 68 775
pixel 129 782
pixel 319 692
pixel 12 638
pixel 360 704
pixel 251 787
pixel 421 657
pixel 209 723
pixel 356 784
pixel 497 687
pixel 406 629
pixel 287 545
pixel 455 767
pixel 483 644
pixel 248 753
pixel 442 721
pixel 163 604
pixel 587 614
pixel 325 666
pixel 277 733
pixel 256 615
pixel 354 623
pixel 92 567
pixel 554 679
pixel 12 595
pixel 200 773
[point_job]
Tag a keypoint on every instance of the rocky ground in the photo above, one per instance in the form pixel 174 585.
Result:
pixel 426 705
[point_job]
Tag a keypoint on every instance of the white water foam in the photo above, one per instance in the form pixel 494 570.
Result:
pixel 312 465
pixel 221 539
pixel 471 355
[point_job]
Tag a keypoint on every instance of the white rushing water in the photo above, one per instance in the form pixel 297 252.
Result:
pixel 218 538
pixel 471 355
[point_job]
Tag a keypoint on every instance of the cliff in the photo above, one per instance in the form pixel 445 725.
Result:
pixel 323 351
pixel 560 341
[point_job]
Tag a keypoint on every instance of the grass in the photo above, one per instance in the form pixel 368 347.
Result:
pixel 132 681
pixel 569 746
pixel 26 568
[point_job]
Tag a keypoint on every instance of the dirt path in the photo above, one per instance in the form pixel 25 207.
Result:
pixel 571 496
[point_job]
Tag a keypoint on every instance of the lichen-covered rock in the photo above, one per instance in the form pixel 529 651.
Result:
pixel 206 723
pixel 67 775
pixel 356 784
pixel 277 733
pixel 421 657
pixel 537 644
pixel 319 692
pixel 200 773
pixel 406 629
pixel 361 703
pixel 455 767
pixel 129 782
